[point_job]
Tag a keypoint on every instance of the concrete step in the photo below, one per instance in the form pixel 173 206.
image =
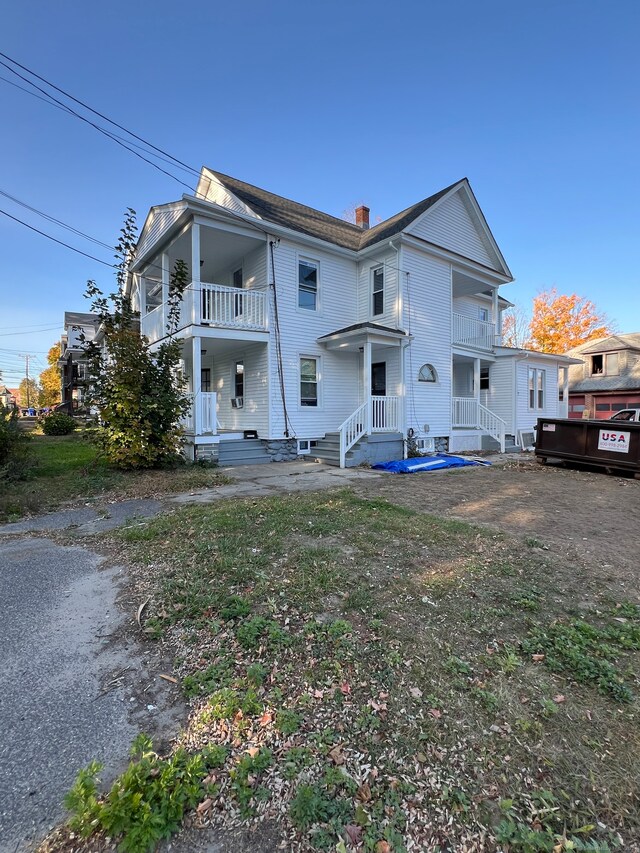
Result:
pixel 249 451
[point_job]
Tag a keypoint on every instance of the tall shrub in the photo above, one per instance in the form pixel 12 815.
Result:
pixel 139 392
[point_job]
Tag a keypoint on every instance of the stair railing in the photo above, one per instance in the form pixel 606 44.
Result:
pixel 490 423
pixel 352 431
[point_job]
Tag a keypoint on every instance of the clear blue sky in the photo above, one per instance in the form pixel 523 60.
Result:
pixel 330 103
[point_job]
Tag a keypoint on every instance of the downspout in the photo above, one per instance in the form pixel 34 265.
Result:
pixel 399 284
pixel 523 357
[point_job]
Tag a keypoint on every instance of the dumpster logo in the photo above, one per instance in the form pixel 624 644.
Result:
pixel 618 441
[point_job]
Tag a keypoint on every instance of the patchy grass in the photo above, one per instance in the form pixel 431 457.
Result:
pixel 384 682
pixel 69 468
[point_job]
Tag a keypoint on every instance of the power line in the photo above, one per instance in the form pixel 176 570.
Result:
pixel 55 240
pixel 97 127
pixel 54 220
pixel 60 106
pixel 101 115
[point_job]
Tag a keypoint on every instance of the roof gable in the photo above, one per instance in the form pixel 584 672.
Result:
pixel 456 222
pixel 609 344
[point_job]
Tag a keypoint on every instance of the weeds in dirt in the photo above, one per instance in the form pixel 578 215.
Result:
pixel 406 715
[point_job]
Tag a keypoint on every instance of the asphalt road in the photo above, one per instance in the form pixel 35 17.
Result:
pixel 58 610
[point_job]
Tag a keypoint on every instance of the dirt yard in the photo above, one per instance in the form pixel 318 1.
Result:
pixel 593 516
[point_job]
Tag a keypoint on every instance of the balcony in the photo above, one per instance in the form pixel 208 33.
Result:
pixel 475 334
pixel 212 305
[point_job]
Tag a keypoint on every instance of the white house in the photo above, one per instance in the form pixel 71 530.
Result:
pixel 306 333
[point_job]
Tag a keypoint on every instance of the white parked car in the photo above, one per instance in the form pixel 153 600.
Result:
pixel 627 415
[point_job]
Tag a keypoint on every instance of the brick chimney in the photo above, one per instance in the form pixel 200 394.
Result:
pixel 362 217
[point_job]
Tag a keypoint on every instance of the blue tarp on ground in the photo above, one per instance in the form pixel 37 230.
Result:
pixel 427 463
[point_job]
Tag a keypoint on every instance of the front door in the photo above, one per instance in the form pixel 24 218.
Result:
pixel 379 379
pixel 378 389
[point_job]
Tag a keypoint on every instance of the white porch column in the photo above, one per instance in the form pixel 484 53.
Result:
pixel 495 316
pixel 196 379
pixel 165 290
pixel 367 382
pixel 195 273
pixel 476 379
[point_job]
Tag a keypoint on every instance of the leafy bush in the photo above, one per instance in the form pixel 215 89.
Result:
pixel 147 802
pixel 58 423
pixel 139 393
pixel 15 458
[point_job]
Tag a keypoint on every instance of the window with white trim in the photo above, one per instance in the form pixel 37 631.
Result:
pixel 309 369
pixel 483 315
pixel 537 382
pixel 307 285
pixel 377 291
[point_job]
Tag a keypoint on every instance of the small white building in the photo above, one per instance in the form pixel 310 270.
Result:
pixel 304 333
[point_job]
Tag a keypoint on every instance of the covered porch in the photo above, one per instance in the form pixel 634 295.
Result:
pixel 471 395
pixel 227 382
pixel 381 389
pixel 227 280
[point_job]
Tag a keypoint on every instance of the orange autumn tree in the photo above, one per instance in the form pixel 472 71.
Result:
pixel 559 323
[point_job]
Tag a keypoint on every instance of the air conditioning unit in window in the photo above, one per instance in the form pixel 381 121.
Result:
pixel 237 402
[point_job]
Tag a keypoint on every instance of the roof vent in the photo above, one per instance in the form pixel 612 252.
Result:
pixel 362 217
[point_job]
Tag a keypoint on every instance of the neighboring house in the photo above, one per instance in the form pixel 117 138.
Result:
pixel 318 335
pixel 72 361
pixel 607 378
pixel 8 397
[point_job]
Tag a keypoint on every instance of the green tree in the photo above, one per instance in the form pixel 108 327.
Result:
pixel 139 393
pixel 50 382
pixel 28 393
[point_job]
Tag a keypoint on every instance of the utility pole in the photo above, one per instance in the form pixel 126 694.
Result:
pixel 27 359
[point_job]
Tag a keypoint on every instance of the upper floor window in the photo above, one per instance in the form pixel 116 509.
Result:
pixel 377 286
pixel 536 387
pixel 483 315
pixel 605 364
pixel 308 285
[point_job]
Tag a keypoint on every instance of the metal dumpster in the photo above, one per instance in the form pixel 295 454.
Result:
pixel 613 445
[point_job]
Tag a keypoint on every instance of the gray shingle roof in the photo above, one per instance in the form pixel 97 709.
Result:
pixel 608 344
pixel 299 217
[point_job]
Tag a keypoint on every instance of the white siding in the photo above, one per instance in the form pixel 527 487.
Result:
pixel 469 306
pixel 255 412
pixel 218 194
pixel 429 283
pixel 463 380
pixel 300 329
pixel 450 225
pixel 499 397
pixel 160 219
pixel 526 417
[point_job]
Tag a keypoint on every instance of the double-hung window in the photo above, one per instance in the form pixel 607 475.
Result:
pixel 377 290
pixel 308 285
pixel 309 381
pixel 536 388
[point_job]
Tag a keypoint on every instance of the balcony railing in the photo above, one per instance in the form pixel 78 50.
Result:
pixel 473 333
pixel 206 304
pixel 201 418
